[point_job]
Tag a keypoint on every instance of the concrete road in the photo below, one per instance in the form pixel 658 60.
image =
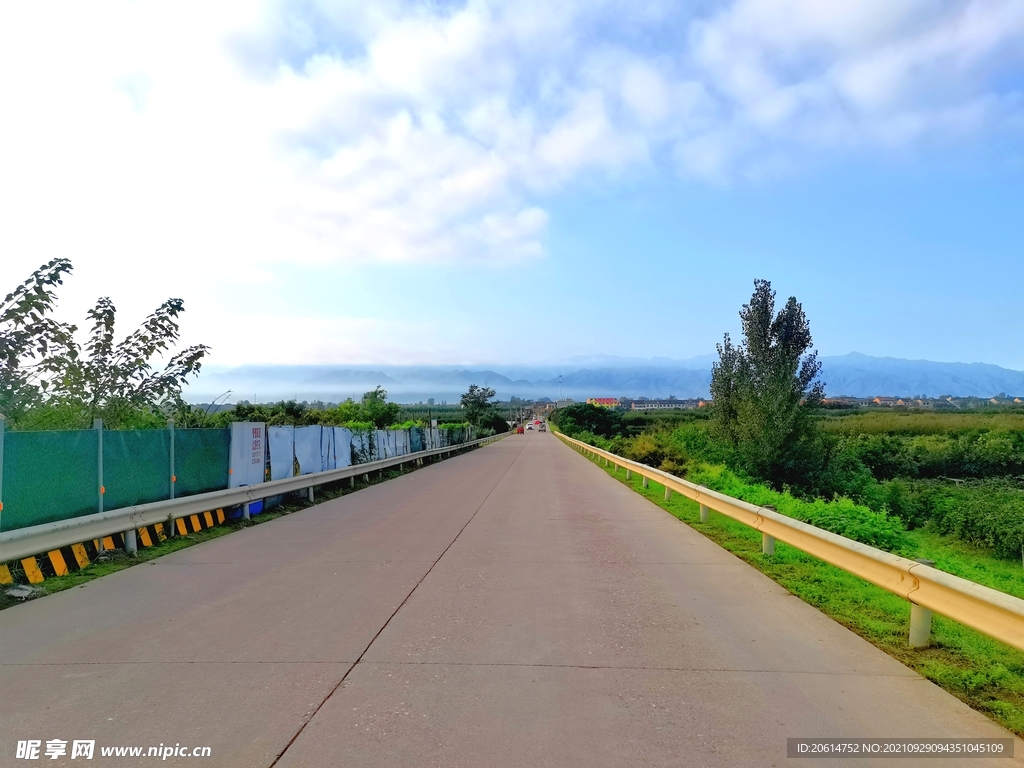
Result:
pixel 511 607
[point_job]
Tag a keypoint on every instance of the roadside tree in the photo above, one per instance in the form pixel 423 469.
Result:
pixel 47 380
pixel 32 344
pixel 123 382
pixel 476 404
pixel 765 391
pixel 376 408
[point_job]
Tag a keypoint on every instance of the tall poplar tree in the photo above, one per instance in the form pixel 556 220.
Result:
pixel 765 389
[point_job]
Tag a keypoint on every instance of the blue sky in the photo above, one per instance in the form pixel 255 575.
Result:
pixel 484 182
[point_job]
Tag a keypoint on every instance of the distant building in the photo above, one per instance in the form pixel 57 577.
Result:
pixel 672 403
pixel 604 402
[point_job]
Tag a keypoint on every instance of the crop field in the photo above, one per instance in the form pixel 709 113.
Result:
pixel 895 422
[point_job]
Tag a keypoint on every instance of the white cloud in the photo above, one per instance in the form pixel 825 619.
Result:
pixel 351 131
pixel 801 75
pixel 237 139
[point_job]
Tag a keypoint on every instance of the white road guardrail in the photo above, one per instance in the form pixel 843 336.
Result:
pixel 46 537
pixel 928 589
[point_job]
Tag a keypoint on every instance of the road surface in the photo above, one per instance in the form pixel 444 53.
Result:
pixel 513 606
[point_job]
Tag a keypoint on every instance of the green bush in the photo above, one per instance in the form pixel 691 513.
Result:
pixel 409 424
pixel 841 515
pixel 964 454
pixel 872 485
pixel 592 419
pixel 595 440
pixel 492 424
pixel 986 513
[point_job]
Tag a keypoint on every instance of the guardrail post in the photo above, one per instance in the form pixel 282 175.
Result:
pixel 704 513
pixel 130 546
pixel 645 481
pixel 920 618
pixel 668 493
pixel 97 424
pixel 245 511
pixel 920 626
pixel 768 542
pixel 629 474
pixel 311 494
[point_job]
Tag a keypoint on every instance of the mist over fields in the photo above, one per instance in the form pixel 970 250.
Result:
pixel 854 375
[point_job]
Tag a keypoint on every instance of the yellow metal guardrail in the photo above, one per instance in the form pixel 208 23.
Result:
pixel 928 589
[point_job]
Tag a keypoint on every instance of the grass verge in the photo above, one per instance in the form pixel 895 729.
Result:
pixel 118 560
pixel 984 673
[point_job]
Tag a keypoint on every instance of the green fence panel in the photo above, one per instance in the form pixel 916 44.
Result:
pixel 136 467
pixel 49 476
pixel 201 460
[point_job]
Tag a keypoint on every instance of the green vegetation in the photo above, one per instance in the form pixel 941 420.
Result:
pixel 373 411
pixel 889 421
pixel 444 414
pixel 765 391
pixel 30 340
pixel 592 420
pixel 481 412
pixel 966 485
pixel 982 672
pixel 840 516
pixel 49 381
pixel 872 476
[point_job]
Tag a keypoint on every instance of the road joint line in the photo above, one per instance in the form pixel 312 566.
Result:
pixel 395 613
pixel 641 669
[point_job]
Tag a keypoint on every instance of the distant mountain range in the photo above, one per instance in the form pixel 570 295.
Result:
pixel 854 375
